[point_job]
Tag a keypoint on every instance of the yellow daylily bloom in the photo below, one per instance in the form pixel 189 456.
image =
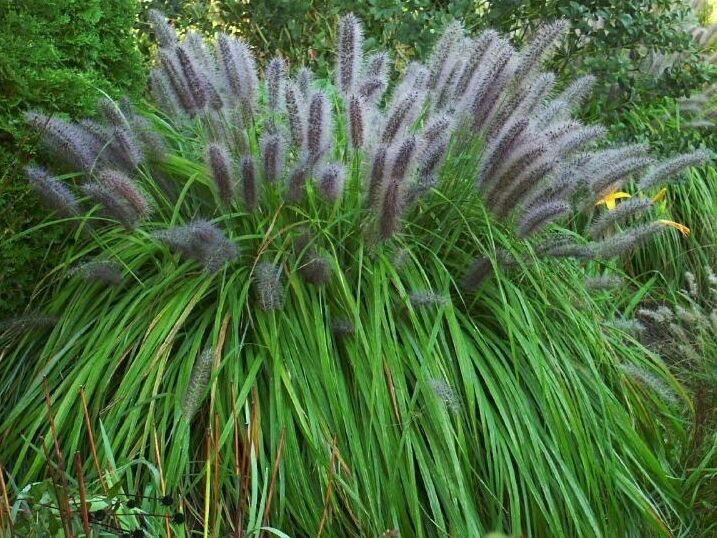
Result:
pixel 660 196
pixel 611 199
pixel 684 230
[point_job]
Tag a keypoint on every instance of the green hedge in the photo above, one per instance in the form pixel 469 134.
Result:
pixel 57 56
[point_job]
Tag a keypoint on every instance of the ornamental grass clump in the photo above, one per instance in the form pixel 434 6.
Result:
pixel 277 219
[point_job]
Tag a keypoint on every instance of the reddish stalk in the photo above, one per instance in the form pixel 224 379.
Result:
pixel 6 500
pixel 329 487
pixel 83 496
pixel 274 473
pixel 58 454
pixel 64 515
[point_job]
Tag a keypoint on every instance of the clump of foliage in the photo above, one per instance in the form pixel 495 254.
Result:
pixel 58 56
pixel 374 281
pixel 681 327
pixel 304 31
pixel 618 42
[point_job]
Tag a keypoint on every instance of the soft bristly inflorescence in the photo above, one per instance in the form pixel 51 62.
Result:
pixel 650 380
pixel 53 192
pixel 634 207
pixel 268 287
pixel 319 127
pixel 275 82
pixel 250 187
pixel 446 395
pixel 305 81
pixel 603 283
pixel 314 268
pixel 671 168
pixel 350 53
pixel 357 120
pixel 201 241
pixel 536 166
pixel 164 33
pixel 102 271
pixel 538 217
pixel 342 328
pixel 113 204
pixel 331 178
pixel 221 169
pixel 27 322
pixel 630 326
pixel 68 141
pixel 480 269
pixel 296 114
pixel 684 332
pixel 198 382
pixel 422 298
pixel 272 150
pixel 126 189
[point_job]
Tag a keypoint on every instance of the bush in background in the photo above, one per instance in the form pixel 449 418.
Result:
pixel 303 31
pixel 638 49
pixel 59 57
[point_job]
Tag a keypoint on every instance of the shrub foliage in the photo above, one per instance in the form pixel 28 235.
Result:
pixel 58 56
pixel 290 263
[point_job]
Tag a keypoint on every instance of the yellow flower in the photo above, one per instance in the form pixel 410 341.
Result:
pixel 684 230
pixel 660 196
pixel 611 199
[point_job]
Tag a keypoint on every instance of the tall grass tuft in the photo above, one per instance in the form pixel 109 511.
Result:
pixel 474 171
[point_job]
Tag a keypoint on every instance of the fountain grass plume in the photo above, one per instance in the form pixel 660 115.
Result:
pixel 250 187
pixel 53 192
pixel 198 382
pixel 222 172
pixel 268 287
pixel 350 53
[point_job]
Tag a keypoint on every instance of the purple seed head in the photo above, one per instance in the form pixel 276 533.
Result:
pixel 66 140
pixel 356 120
pixel 295 114
pixel 304 81
pixel 124 187
pixel 165 35
pixel 250 187
pixel 276 72
pixel 192 76
pixel 174 74
pixel 403 159
pixel 479 270
pixel 268 287
pixel 273 149
pixel 297 179
pixel 27 322
pixel 377 175
pixel 101 271
pixel 113 204
pixel 439 63
pixel 163 92
pixel 201 241
pixel 221 167
pixel 399 116
pixel 54 193
pixel 112 113
pixel 350 53
pixel 198 382
pixel 377 66
pixel 371 90
pixel 313 268
pixel 331 178
pixel 536 218
pixel 342 328
pixel 319 130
